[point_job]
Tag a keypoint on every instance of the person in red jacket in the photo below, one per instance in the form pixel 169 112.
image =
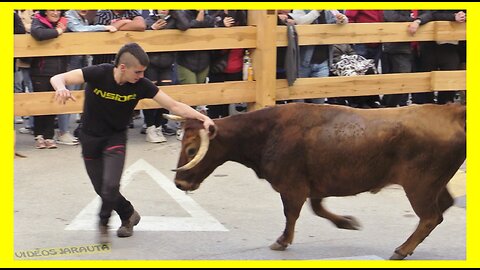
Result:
pixel 46 25
pixel 226 65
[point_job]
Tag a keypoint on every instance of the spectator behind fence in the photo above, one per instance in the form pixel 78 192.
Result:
pixel 315 60
pixel 368 50
pixel 283 18
pixel 77 22
pixel 397 56
pixel 438 55
pixel 23 82
pixel 47 24
pixel 226 65
pixel 123 20
pixel 63 136
pixel 18 28
pixel 346 62
pixel 161 72
pixel 193 66
pixel 339 50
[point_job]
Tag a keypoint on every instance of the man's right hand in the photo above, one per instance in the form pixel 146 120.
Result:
pixel 63 95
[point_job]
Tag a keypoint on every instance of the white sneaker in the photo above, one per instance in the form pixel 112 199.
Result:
pixel 25 130
pixel 179 134
pixel 160 134
pixel 18 120
pixel 153 136
pixel 67 139
pixel 40 142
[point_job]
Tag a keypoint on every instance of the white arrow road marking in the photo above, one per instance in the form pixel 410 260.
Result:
pixel 199 220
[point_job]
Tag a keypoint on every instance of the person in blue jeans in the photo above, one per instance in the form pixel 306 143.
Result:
pixel 315 60
pixel 76 22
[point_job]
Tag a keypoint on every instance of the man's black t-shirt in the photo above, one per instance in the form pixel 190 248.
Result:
pixel 109 106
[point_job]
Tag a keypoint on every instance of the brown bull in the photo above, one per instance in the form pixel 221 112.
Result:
pixel 317 151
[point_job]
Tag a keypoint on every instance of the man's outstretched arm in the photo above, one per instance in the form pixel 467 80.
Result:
pixel 60 81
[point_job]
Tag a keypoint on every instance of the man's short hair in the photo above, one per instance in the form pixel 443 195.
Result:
pixel 134 50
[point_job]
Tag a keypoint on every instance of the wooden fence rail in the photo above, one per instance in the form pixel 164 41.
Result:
pixel 229 38
pixel 265 90
pixel 236 92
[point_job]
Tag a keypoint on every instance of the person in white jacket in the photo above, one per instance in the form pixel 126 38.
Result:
pixel 315 60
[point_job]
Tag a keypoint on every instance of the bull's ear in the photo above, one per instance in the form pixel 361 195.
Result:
pixel 212 132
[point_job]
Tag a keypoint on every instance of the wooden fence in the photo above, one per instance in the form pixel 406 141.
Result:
pixel 259 37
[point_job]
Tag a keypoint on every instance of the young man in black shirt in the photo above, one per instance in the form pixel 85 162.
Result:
pixel 111 94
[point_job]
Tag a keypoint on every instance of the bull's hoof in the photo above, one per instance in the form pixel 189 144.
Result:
pixel 397 256
pixel 277 246
pixel 349 223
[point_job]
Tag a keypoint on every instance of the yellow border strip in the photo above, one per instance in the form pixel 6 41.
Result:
pixel 6 183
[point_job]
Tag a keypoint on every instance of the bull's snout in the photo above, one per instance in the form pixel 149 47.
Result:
pixel 184 185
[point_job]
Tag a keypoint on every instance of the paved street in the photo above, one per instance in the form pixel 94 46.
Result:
pixel 232 216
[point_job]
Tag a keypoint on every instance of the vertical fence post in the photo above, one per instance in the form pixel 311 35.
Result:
pixel 264 57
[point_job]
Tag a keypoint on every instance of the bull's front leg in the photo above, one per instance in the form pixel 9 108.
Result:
pixel 292 205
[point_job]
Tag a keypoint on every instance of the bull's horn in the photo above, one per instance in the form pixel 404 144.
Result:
pixel 173 117
pixel 202 150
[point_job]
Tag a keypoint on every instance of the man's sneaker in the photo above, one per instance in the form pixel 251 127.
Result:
pixel 50 144
pixel 40 142
pixel 103 236
pixel 179 134
pixel 153 136
pixel 167 131
pixel 66 139
pixel 126 229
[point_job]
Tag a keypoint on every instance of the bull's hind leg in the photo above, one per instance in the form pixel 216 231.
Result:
pixel 429 208
pixel 292 205
pixel 342 222
pixel 445 200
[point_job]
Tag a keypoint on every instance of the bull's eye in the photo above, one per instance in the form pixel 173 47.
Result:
pixel 191 151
